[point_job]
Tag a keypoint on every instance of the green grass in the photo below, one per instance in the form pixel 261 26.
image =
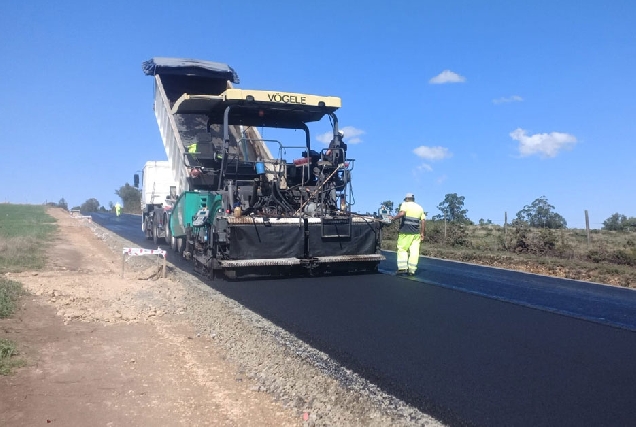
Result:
pixel 24 230
pixel 8 359
pixel 10 292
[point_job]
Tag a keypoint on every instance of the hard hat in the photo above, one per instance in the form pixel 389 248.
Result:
pixel 341 133
pixel 409 196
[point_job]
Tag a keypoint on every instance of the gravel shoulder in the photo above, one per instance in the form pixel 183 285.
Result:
pixel 144 349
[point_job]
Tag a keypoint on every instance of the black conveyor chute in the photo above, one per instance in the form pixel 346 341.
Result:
pixel 189 67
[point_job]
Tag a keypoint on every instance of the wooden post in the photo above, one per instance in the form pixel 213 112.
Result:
pixel 505 229
pixel 123 263
pixel 444 229
pixel 505 222
pixel 164 267
pixel 587 227
pixel 562 237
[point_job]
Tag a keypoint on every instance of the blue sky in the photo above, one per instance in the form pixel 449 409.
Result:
pixel 501 102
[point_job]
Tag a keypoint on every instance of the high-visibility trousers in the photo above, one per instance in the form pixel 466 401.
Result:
pixel 117 210
pixel 408 251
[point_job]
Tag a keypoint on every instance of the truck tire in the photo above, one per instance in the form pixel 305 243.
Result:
pixel 180 244
pixel 166 225
pixel 155 234
pixel 147 229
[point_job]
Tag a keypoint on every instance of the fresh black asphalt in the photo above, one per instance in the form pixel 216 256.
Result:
pixel 451 343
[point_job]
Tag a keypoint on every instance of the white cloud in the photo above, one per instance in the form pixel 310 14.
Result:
pixel 544 144
pixel 432 153
pixel 325 138
pixel 351 135
pixel 423 168
pixel 504 100
pixel 447 76
pixel 441 179
pixel 429 154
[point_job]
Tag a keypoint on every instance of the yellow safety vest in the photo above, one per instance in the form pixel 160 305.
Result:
pixel 192 148
pixel 414 213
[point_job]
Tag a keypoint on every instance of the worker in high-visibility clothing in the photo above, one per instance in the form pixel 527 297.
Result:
pixel 410 235
pixel 117 209
pixel 192 149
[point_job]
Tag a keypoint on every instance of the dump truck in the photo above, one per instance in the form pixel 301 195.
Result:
pixel 239 210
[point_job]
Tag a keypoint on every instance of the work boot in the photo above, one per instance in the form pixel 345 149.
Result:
pixel 400 272
pixel 411 273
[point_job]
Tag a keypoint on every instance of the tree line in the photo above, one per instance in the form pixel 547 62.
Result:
pixel 538 214
pixel 129 195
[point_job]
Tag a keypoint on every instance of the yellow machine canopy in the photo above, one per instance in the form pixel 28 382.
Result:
pixel 259 107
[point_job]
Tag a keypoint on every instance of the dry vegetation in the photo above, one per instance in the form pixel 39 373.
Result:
pixel 609 258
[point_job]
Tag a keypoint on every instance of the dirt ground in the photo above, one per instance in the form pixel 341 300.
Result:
pixel 98 354
pixel 142 350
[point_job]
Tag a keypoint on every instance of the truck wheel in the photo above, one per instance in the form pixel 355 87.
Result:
pixel 167 227
pixel 147 230
pixel 181 244
pixel 155 234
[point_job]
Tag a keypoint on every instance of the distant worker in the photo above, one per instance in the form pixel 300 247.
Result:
pixel 117 209
pixel 411 233
pixel 192 148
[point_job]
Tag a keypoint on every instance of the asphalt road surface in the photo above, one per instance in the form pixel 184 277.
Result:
pixel 469 345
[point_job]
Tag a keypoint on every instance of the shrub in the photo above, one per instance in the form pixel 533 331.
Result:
pixel 435 232
pixel 547 240
pixel 527 240
pixel 623 257
pixel 457 235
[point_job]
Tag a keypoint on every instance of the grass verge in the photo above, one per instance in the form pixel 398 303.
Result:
pixel 24 231
pixel 8 357
pixel 10 292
